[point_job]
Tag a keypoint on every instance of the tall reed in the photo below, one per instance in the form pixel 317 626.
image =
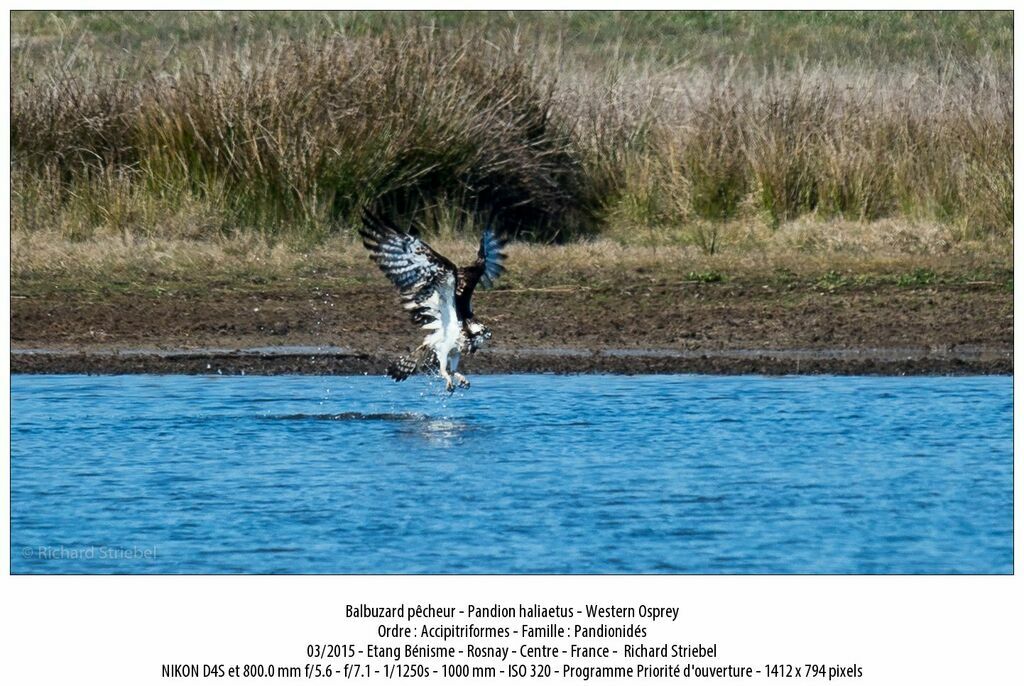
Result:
pixel 291 137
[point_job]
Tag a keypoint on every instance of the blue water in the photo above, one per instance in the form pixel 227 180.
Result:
pixel 527 473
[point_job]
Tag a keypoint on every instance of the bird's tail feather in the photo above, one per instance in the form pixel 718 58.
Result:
pixel 404 367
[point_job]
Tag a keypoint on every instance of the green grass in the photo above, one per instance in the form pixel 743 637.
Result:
pixel 765 38
pixel 916 278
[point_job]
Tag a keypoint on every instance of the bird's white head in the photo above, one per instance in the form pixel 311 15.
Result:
pixel 478 335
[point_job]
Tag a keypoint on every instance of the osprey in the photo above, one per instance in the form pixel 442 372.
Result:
pixel 436 293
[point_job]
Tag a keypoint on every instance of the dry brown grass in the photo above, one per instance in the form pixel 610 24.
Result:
pixel 825 142
pixel 285 139
pixel 839 252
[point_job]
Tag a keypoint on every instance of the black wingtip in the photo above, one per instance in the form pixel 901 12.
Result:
pixel 369 217
pixel 373 224
pixel 373 231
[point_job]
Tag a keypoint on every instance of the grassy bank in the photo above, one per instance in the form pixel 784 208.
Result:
pixel 704 131
pixel 854 303
pixel 807 255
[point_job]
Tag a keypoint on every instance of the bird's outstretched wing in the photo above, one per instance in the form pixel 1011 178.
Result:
pixel 488 266
pixel 425 278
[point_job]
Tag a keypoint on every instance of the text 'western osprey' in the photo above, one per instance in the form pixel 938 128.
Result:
pixel 437 294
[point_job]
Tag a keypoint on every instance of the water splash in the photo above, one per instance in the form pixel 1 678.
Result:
pixel 350 417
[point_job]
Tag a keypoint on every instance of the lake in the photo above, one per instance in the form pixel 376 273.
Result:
pixel 519 474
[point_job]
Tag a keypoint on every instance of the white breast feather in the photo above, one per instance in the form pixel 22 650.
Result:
pixel 444 329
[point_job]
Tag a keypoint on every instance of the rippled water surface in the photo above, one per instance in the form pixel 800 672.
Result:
pixel 526 473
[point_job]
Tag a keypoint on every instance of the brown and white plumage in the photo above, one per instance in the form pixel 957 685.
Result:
pixel 437 294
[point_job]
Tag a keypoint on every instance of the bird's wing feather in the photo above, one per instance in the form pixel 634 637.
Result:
pixel 488 266
pixel 425 278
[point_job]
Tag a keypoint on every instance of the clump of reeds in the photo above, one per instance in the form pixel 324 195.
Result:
pixel 291 138
pixel 303 134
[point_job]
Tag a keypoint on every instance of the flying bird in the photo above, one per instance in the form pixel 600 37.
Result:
pixel 437 294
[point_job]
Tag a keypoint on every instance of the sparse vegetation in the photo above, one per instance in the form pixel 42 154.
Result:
pixel 197 126
pixel 705 277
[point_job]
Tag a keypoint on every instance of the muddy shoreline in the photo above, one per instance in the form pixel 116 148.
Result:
pixel 327 361
pixel 626 327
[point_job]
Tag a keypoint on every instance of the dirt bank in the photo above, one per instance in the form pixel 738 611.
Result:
pixel 635 327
